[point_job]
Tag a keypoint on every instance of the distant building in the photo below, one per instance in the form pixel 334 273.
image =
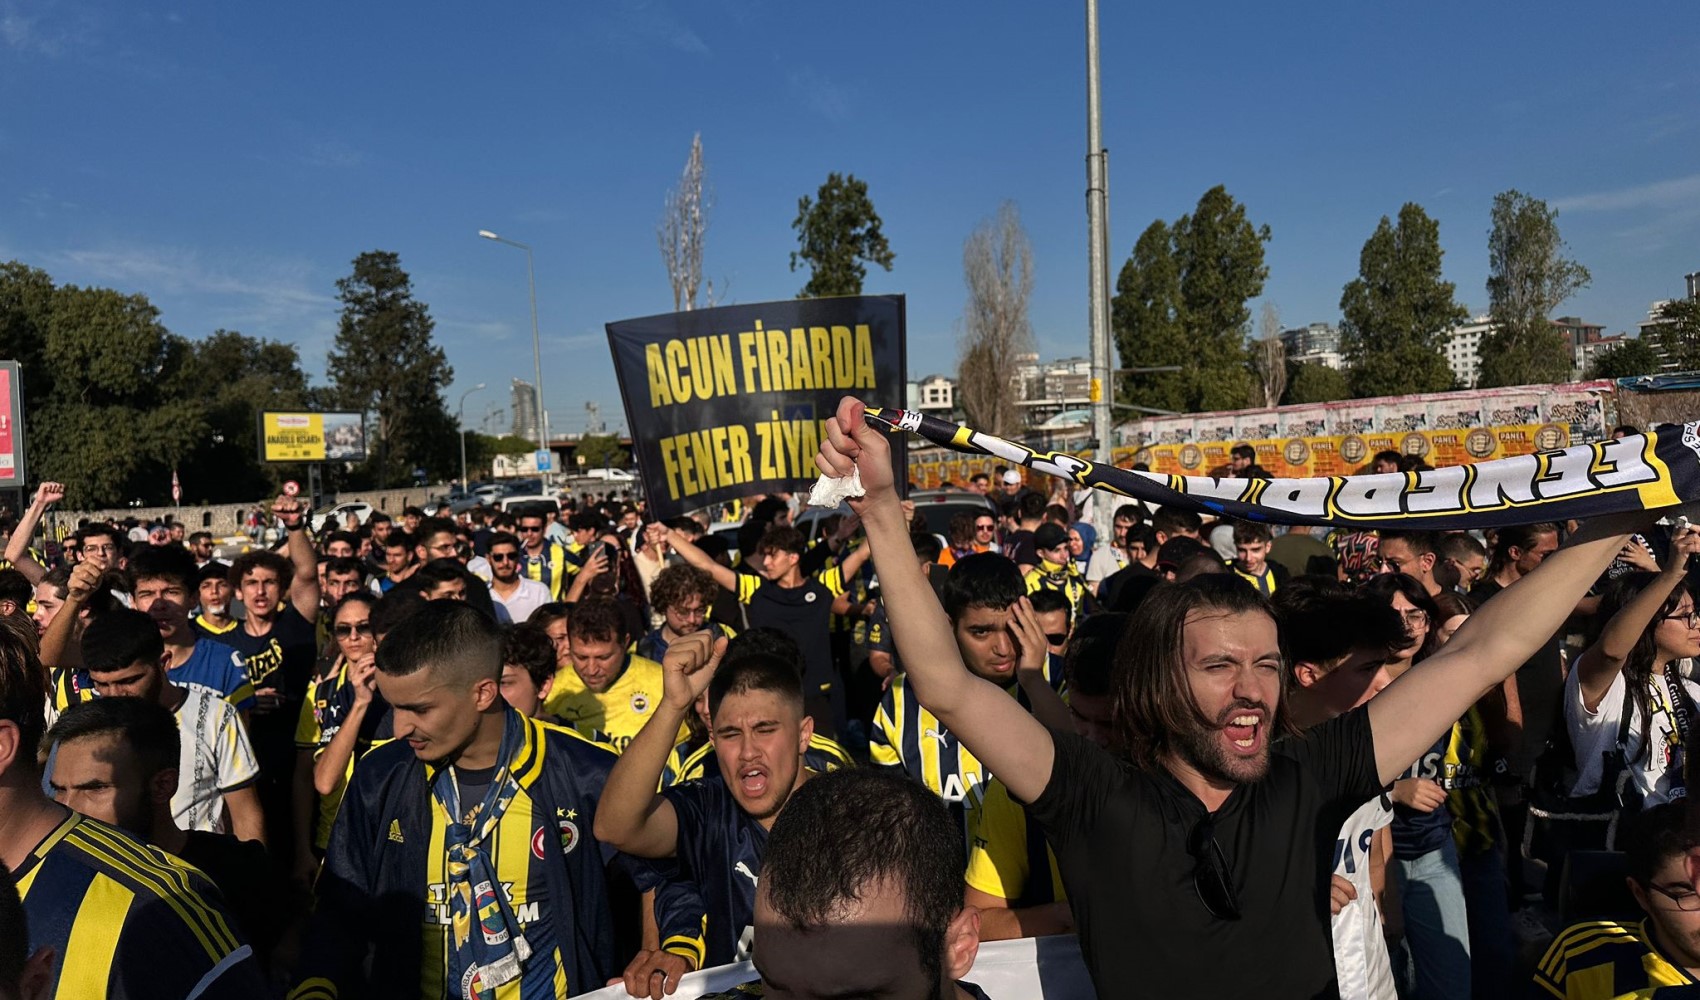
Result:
pixel 1043 390
pixel 1586 352
pixel 1463 350
pixel 524 408
pixel 933 394
pixel 1649 327
pixel 1316 344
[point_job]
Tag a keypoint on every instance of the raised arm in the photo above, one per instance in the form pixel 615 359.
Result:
pixel 1597 668
pixel 1048 706
pixel 723 575
pixel 59 645
pixel 994 727
pixel 632 815
pixel 304 588
pixel 18 545
pixel 1411 714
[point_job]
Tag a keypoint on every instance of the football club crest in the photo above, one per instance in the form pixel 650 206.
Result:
pixel 569 835
pixel 640 703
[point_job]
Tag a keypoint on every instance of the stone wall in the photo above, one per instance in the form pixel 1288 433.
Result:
pixel 224 519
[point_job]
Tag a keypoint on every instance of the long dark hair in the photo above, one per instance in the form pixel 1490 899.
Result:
pixel 1153 698
pixel 1643 656
pixel 1383 587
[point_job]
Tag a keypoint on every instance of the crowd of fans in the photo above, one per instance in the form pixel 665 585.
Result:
pixel 526 754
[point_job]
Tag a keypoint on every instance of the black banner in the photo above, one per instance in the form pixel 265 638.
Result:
pixel 1642 472
pixel 727 402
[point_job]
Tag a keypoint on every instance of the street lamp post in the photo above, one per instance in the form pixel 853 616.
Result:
pixel 536 345
pixel 464 485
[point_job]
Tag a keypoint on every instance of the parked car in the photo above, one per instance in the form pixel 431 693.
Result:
pixel 519 500
pixel 331 518
pixel 937 507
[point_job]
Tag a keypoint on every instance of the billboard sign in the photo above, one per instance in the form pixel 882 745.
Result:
pixel 12 471
pixel 312 437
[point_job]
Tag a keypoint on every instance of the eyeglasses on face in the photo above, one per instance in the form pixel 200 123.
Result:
pixel 1056 638
pixel 1414 616
pixel 1689 618
pixel 504 557
pixel 1684 898
pixel 1211 877
pixel 345 629
pixel 530 529
pixel 985 526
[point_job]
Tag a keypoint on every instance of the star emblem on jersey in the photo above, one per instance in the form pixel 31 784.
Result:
pixel 640 702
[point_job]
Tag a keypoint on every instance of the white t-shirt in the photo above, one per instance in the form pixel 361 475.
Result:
pixel 1593 735
pixel 530 596
pixel 216 758
pixel 1106 561
pixel 1360 951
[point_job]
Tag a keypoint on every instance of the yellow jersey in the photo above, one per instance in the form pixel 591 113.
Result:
pixel 619 712
pixel 1005 846
pixel 1601 959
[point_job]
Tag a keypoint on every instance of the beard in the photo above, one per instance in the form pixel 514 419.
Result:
pixel 1201 746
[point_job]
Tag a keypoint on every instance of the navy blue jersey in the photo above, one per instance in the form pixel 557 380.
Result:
pixel 216 665
pixel 1417 833
pixel 720 848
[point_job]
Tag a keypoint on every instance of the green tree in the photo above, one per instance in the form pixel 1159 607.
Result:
pixel 385 362
pixel 836 232
pixel 1678 333
pixel 601 450
pixel 1181 299
pixel 240 376
pixel 1626 360
pixel 1397 312
pixel 1313 383
pixel 1528 277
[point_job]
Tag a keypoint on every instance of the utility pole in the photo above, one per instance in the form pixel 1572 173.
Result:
pixel 1102 385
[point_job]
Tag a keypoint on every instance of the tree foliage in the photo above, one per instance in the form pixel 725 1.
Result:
pixel 1398 311
pixel 385 363
pixel 1678 333
pixel 997 266
pixel 837 231
pixel 239 376
pixel 1528 277
pixel 1626 360
pixel 601 450
pixel 1308 382
pixel 1181 299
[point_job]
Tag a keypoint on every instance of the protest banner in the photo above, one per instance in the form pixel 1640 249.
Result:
pixel 1641 472
pixel 727 402
pixel 312 437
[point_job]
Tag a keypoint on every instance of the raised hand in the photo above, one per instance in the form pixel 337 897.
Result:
pixel 290 510
pixel 1029 636
pixel 363 676
pixel 688 667
pixel 85 580
pixel 851 446
pixel 48 494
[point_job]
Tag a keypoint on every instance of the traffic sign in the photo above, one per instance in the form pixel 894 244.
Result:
pixel 545 460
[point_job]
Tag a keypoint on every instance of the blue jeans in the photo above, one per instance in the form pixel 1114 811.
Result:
pixel 1437 925
pixel 1493 953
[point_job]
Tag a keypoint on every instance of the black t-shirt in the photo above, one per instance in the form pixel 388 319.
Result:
pixel 1018 546
pixel 251 885
pixel 805 614
pixel 1120 837
pixel 283 659
pixel 1109 591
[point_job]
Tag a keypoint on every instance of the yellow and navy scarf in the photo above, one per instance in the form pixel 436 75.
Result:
pixel 496 953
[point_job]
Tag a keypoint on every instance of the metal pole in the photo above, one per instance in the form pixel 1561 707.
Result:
pixel 537 362
pixel 1097 250
pixel 465 487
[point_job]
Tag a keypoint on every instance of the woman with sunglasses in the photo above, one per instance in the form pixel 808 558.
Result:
pixel 341 717
pixel 1625 703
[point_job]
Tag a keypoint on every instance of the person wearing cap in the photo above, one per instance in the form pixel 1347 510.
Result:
pixel 1056 569
pixel 213 593
pixel 1174 553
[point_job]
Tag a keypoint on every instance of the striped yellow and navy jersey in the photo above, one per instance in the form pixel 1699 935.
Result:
pixel 551 567
pixel 690 760
pixel 908 736
pixel 618 712
pixel 1006 848
pixel 127 921
pixel 1601 959
pixel 206 628
pixel 653 645
pixel 1475 817
pixel 1065 580
pixel 384 886
pixel 1265 582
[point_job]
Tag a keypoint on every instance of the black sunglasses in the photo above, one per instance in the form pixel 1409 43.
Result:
pixel 502 557
pixel 1211 877
pixel 1056 638
pixel 353 628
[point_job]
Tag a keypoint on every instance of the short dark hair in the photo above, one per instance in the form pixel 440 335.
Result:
pixel 200 536
pixel 679 582
pixel 1046 599
pixel 432 526
pixel 398 538
pixel 59 578
pixel 755 672
pixel 261 559
pixel 365 597
pixel 23 691
pixel 1244 451
pixel 1387 455
pixel 503 538
pixel 1172 521
pixel 548 614
pixel 845 833
pixel 1129 512
pixel 396 607
pixel 15 587
pixel 926 545
pixel 597 619
pixel 584 520
pixel 438 572
pixel 982 580
pixel 1089 660
pixel 343 565
pixel 412 511
pixel 1248 532
pixel 1322 621
pixel 528 647
pixel 148 729
pixel 99 529
pixel 1143 534
pixel 1460 546
pixel 1030 506
pixel 780 538
pixel 450 637
pixel 119 637
pixel 1420 542
pixel 1650 837
pixel 1154 701
pixel 163 562
pixel 378 517
pixel 350 537
pixel 765 641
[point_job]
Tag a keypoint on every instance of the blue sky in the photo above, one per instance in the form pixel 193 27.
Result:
pixel 229 160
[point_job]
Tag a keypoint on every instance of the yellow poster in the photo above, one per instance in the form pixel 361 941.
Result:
pixel 312 437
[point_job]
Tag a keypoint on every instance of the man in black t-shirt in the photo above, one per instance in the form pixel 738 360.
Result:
pixel 1205 846
pixel 116 760
pixel 280 645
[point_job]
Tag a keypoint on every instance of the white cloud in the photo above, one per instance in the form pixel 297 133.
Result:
pixel 1675 192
